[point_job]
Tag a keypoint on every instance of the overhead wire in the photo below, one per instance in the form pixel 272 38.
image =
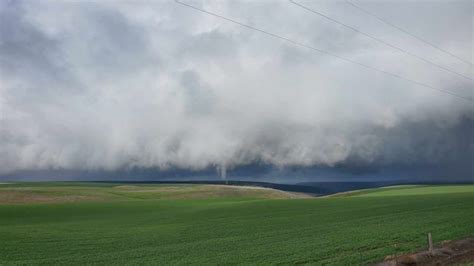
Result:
pixel 379 40
pixel 407 32
pixel 323 51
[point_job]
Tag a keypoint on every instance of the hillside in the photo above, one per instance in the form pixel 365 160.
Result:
pixel 407 190
pixel 135 226
pixel 73 192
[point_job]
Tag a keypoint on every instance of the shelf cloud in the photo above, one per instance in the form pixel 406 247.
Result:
pixel 110 85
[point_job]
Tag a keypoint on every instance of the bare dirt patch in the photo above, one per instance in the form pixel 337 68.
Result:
pixel 460 252
pixel 22 197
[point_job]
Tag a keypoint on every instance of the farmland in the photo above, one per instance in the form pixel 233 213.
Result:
pixel 78 223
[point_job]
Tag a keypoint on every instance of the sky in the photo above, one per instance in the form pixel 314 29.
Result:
pixel 135 87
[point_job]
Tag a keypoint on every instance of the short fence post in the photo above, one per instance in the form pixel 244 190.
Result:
pixel 430 244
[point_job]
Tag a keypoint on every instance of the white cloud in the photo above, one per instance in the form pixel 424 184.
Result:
pixel 108 85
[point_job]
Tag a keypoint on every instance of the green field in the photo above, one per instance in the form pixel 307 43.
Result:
pixel 407 190
pixel 194 224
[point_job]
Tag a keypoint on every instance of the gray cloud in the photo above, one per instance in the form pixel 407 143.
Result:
pixel 114 85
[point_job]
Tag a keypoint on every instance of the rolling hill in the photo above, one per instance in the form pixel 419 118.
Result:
pixel 150 224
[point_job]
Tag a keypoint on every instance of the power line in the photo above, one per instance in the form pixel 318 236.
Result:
pixel 380 40
pixel 323 51
pixel 407 32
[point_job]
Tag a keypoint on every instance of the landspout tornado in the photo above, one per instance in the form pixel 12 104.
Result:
pixel 222 171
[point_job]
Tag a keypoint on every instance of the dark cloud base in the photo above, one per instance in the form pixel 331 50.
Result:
pixel 264 173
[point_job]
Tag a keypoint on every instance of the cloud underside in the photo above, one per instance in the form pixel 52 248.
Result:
pixel 111 85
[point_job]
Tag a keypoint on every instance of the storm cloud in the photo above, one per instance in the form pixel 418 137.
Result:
pixel 109 85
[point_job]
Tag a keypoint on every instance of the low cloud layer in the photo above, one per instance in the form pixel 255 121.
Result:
pixel 110 85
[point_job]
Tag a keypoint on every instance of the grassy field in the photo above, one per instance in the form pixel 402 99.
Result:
pixel 407 190
pixel 195 224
